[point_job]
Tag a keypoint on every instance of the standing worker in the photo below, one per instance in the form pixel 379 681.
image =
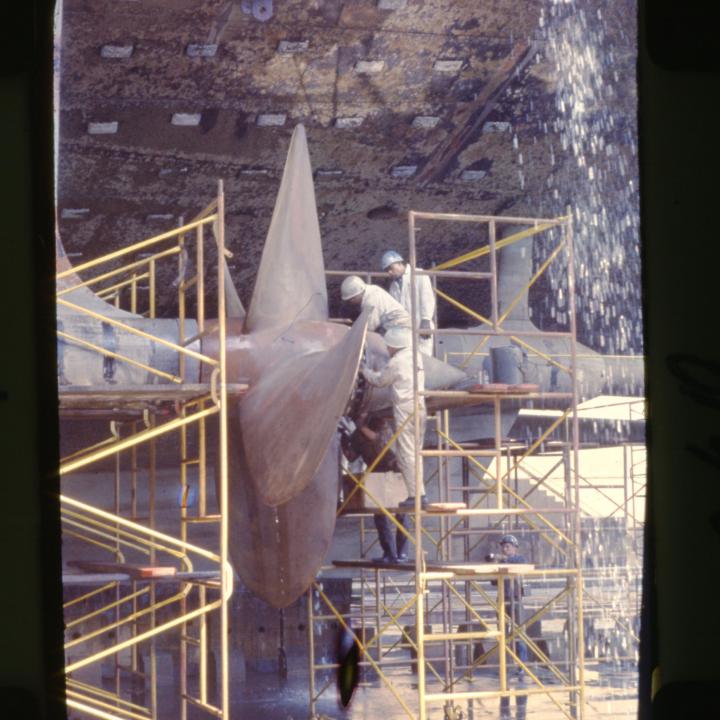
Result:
pixel 395 266
pixel 514 617
pixel 367 441
pixel 398 374
pixel 386 312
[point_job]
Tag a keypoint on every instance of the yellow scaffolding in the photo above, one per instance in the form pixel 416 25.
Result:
pixel 440 610
pixel 125 607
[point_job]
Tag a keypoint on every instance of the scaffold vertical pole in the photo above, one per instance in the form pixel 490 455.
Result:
pixel 181 300
pixel 152 483
pixel 497 435
pixel 151 290
pixel 419 561
pixel 200 283
pixel 378 617
pixel 116 659
pixel 311 651
pixel 576 465
pixel 626 490
pixel 502 649
pixel 183 649
pixel 492 231
pixel 225 581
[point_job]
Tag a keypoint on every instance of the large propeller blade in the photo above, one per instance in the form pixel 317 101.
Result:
pixel 233 305
pixel 290 415
pixel 277 551
pixel 290 283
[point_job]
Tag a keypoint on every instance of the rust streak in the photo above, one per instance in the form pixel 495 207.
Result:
pixel 471 118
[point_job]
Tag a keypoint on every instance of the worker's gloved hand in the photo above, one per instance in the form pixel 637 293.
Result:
pixel 344 426
pixel 424 325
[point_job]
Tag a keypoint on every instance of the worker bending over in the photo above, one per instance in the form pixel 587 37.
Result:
pixel 399 271
pixel 386 312
pixel 398 374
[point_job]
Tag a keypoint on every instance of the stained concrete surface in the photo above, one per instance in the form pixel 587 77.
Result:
pixel 610 689
pixel 263 696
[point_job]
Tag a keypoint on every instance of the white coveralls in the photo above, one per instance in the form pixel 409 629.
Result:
pixel 398 373
pixel 424 303
pixel 385 311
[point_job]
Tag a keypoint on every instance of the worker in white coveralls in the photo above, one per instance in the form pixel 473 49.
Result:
pixel 399 271
pixel 398 374
pixel 385 313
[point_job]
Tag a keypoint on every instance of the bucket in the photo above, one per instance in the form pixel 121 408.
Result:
pixel 506 364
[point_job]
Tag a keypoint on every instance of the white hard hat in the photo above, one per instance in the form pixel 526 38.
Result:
pixel 351 286
pixel 398 337
pixel 388 258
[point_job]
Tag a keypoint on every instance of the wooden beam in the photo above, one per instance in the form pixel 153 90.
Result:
pixel 93 396
pixel 456 568
pixel 471 118
pixel 136 572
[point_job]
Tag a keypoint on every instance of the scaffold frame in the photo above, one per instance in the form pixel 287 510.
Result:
pixel 448 582
pixel 135 607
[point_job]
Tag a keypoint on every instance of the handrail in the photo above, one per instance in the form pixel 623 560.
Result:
pixel 134 248
pixel 119 271
pixel 140 333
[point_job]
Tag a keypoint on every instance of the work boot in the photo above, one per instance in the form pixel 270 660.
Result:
pixel 505 708
pixel 520 707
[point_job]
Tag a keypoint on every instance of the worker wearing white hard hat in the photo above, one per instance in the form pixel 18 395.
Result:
pixel 399 271
pixel 385 312
pixel 398 374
